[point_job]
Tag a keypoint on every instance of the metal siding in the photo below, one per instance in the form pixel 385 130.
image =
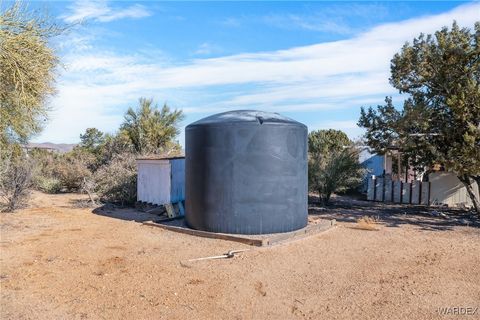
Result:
pixel 177 192
pixel 371 189
pixel 445 188
pixel 387 197
pixel 379 189
pixel 373 164
pixel 153 182
pixel 425 193
pixel 406 191
pixel 140 189
pixel 397 191
pixel 415 192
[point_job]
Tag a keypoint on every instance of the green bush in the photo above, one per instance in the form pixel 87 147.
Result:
pixel 47 184
pixel 336 171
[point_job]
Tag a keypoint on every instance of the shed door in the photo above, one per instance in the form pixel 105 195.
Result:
pixel 154 182
pixel 160 183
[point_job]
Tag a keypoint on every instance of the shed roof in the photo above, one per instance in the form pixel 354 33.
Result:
pixel 153 157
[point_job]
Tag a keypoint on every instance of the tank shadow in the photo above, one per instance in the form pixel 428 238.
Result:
pixel 345 209
pixel 128 214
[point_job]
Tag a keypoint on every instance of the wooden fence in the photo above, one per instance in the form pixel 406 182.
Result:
pixel 388 190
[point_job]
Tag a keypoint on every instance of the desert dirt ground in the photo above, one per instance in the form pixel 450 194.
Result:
pixel 59 261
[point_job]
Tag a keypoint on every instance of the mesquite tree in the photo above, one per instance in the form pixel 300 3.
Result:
pixel 152 129
pixel 27 71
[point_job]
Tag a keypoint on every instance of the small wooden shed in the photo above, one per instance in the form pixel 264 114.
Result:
pixel 161 180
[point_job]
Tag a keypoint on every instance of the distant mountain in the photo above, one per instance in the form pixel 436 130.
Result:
pixel 60 147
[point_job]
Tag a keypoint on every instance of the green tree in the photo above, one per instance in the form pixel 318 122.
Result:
pixel 27 72
pixel 92 139
pixel 440 120
pixel 333 163
pixel 326 141
pixel 150 129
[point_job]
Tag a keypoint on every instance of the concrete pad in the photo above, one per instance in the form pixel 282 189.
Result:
pixel 314 226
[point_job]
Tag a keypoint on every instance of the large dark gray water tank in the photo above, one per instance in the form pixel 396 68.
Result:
pixel 246 172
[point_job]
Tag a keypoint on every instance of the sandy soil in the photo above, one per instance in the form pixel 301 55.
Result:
pixel 62 262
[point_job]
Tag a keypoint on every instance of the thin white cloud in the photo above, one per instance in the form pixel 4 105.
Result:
pixel 207 48
pixel 339 76
pixel 333 18
pixel 316 22
pixel 101 11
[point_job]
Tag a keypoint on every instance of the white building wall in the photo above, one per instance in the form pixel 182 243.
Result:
pixel 445 188
pixel 154 181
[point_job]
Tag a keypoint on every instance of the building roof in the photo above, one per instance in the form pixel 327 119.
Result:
pixel 159 157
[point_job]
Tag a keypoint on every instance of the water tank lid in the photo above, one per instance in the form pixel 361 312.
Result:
pixel 235 116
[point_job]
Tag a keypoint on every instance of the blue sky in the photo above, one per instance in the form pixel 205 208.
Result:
pixel 316 62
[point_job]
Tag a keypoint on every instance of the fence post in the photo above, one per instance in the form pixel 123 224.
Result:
pixel 416 185
pixel 425 198
pixel 387 197
pixel 379 192
pixel 406 192
pixel 371 188
pixel 397 191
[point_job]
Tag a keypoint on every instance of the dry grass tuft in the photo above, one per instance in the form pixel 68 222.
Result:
pixel 367 223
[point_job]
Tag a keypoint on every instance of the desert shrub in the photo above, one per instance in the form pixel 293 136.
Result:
pixel 54 172
pixel 43 172
pixel 71 174
pixel 15 179
pixel 113 146
pixel 89 159
pixel 72 168
pixel 45 161
pixel 117 181
pixel 47 184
